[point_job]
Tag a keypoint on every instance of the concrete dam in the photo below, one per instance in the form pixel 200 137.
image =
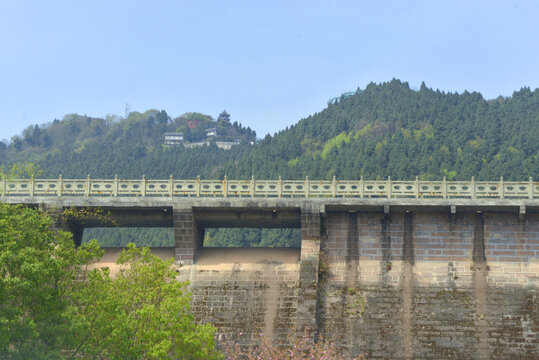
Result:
pixel 390 269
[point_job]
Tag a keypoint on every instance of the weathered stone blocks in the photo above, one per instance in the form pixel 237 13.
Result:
pixel 188 235
pixel 433 285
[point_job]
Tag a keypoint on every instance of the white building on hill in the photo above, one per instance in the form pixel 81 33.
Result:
pixel 173 138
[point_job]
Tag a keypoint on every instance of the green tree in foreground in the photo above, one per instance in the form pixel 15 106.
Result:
pixel 140 313
pixel 37 269
pixel 47 312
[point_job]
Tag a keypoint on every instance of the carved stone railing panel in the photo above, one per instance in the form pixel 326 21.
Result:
pixel 240 188
pixel 104 188
pixel 129 187
pixel 270 188
pixel 17 187
pixel 348 189
pixel 517 189
pixel 294 188
pixel 430 189
pixel 70 187
pixel 487 189
pixel 158 188
pixel 403 189
pixel 211 188
pixel 459 189
pixel 184 188
pixel 376 189
pixel 320 188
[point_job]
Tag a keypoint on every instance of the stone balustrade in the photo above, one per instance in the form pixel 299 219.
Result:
pixel 271 188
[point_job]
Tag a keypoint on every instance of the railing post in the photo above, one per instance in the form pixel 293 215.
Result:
pixel 280 186
pixel 88 184
pixel 171 186
pixel 389 186
pixel 225 187
pixel 444 188
pixel 361 187
pixel 198 186
pixel 307 186
pixel 60 185
pixel 115 190
pixel 32 181
pixel 501 191
pixel 531 190
pixel 334 186
pixel 417 187
pixel 143 185
pixel 473 187
pixel 253 189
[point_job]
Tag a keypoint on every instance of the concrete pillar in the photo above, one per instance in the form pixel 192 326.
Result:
pixel 307 310
pixel 188 235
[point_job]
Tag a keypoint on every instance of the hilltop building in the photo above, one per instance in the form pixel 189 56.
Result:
pixel 172 138
pixel 224 117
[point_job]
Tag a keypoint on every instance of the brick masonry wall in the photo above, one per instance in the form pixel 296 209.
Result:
pixel 415 286
pixel 188 236
pixel 307 304
pixel 252 295
pixel 512 249
pixel 423 285
pixel 247 298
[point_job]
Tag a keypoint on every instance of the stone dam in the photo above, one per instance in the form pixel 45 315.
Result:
pixel 391 278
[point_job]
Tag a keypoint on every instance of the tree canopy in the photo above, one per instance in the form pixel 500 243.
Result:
pixel 37 270
pixel 47 312
pixel 386 129
pixel 140 313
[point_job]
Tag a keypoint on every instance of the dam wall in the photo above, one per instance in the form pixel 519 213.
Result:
pixel 389 278
pixel 430 285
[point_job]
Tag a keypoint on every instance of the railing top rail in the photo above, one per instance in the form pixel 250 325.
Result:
pixel 271 188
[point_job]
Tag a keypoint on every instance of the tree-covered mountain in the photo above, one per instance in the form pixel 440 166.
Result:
pixel 79 145
pixel 383 130
pixel 392 130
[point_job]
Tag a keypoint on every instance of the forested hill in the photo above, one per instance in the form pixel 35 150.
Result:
pixel 385 129
pixel 392 130
pixel 128 147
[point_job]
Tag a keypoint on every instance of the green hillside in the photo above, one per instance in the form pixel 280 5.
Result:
pixel 383 130
pixel 79 145
pixel 392 130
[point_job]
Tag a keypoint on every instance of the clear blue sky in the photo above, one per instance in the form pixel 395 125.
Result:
pixel 268 63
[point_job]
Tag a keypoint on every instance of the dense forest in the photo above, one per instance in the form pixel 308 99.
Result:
pixel 392 130
pixel 80 145
pixel 383 130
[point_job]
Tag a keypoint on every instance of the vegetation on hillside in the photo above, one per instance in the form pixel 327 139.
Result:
pixel 80 145
pixel 392 130
pixel 383 130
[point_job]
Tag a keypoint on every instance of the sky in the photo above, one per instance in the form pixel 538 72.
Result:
pixel 268 63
